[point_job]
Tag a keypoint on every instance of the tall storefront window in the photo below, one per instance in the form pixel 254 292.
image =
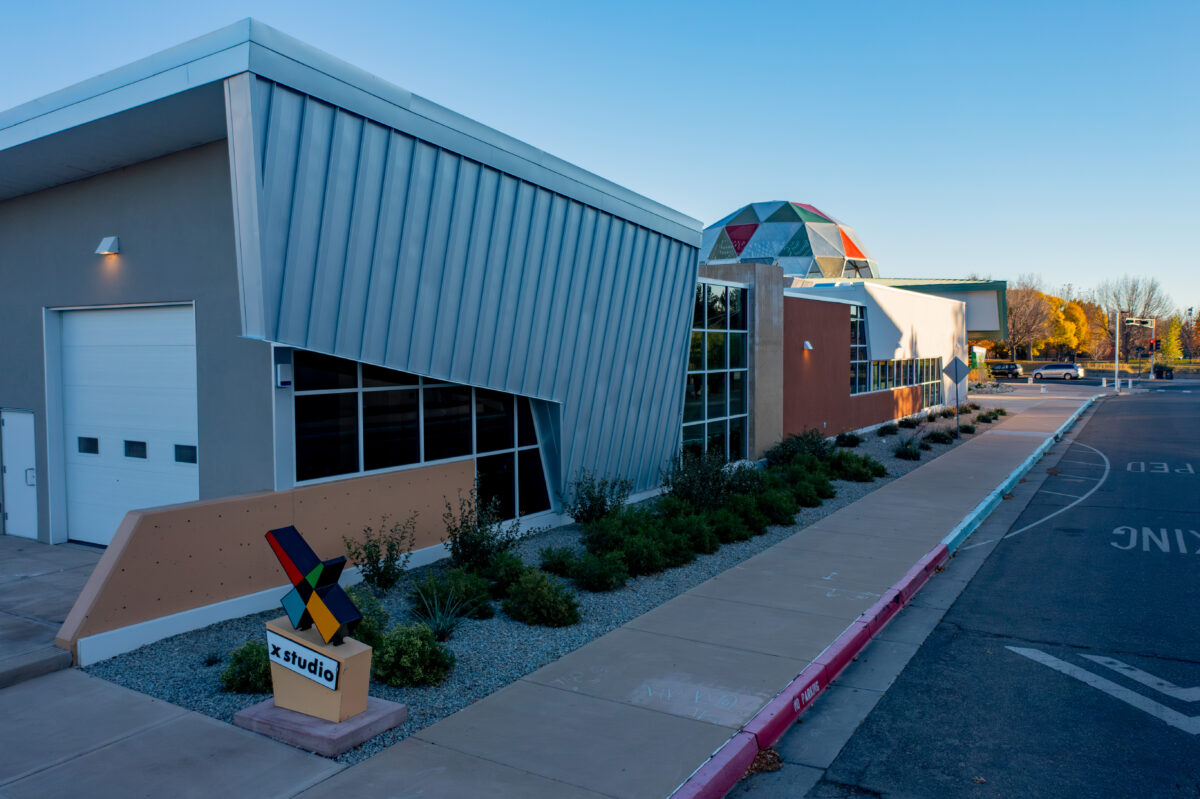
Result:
pixel 866 375
pixel 354 418
pixel 716 405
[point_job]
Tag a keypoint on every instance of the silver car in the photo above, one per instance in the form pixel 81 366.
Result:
pixel 1065 371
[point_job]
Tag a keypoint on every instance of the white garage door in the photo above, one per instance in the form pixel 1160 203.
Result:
pixel 129 414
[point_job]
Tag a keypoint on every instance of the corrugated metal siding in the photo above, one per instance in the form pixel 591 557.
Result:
pixel 380 247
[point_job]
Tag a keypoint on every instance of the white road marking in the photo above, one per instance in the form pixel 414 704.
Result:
pixel 1157 683
pixel 1099 483
pixel 1187 391
pixel 1085 463
pixel 1189 724
pixel 1058 494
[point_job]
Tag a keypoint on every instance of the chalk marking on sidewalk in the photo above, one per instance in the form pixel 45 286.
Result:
pixel 1189 724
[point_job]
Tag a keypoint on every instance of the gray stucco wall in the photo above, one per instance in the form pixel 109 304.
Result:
pixel 175 222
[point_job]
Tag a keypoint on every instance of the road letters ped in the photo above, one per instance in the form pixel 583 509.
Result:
pixel 1157 467
pixel 302 660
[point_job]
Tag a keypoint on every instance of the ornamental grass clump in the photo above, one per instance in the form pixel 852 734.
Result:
pixel 848 440
pixel 908 423
pixel 249 670
pixel 889 429
pixel 858 468
pixel 410 655
pixel 939 437
pixel 810 442
pixel 966 428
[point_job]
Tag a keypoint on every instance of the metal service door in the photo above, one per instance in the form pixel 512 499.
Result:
pixel 18 474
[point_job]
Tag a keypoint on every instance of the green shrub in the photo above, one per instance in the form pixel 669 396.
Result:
pixel 909 451
pixel 948 413
pixel 695 530
pixel 607 534
pixel 939 437
pixel 441 601
pixel 965 408
pixel 889 429
pixel 504 570
pixel 698 480
pixel 728 526
pixel 778 507
pixel 859 468
pixel 249 670
pixel 745 480
pixel 676 548
pixel 747 508
pixel 375 620
pixel 806 494
pixel 668 507
pixel 605 572
pixel 966 428
pixel 848 440
pixel 591 498
pixel 908 423
pixel 983 418
pixel 974 406
pixel 925 445
pixel 810 442
pixel 537 599
pixel 410 655
pixel 382 554
pixel 1000 412
pixel 823 486
pixel 558 560
pixel 474 535
pixel 643 555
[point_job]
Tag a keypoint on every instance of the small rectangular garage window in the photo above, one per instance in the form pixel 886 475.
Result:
pixel 135 449
pixel 89 445
pixel 185 453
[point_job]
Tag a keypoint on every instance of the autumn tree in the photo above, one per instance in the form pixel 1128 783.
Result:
pixel 1142 297
pixel 1172 349
pixel 1028 314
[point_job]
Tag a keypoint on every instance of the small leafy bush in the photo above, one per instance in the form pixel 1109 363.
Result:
pixel 966 428
pixel 382 554
pixel 859 468
pixel 699 480
pixel 249 670
pixel 965 408
pixel 983 418
pixel 607 534
pixel 908 423
pixel 848 440
pixel 375 620
pixel 537 599
pixel 939 437
pixel 696 530
pixel 643 555
pixel 1000 412
pixel 591 498
pixel 474 534
pixel 558 560
pixel 747 509
pixel 925 446
pixel 889 429
pixel 908 451
pixel 810 442
pixel 728 526
pixel 778 507
pixel 948 413
pixel 605 572
pixel 806 494
pixel 745 480
pixel 411 655
pixel 504 570
pixel 974 406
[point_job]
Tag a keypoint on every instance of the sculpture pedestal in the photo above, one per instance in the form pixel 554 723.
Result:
pixel 315 678
pixel 312 734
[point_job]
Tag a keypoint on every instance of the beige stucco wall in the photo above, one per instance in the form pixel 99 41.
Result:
pixel 181 557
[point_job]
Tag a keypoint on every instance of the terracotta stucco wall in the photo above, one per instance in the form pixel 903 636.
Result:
pixel 181 557
pixel 816 382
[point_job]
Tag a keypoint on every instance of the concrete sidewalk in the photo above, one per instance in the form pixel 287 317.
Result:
pixel 631 714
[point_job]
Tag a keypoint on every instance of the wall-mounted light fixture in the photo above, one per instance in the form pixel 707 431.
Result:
pixel 109 245
pixel 807 344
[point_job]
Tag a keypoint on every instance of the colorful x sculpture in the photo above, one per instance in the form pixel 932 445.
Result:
pixel 316 597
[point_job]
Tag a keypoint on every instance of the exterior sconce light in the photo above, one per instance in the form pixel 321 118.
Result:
pixel 109 245
pixel 807 344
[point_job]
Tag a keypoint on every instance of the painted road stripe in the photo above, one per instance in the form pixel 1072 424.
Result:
pixel 1095 488
pixel 1189 724
pixel 1057 494
pixel 1157 683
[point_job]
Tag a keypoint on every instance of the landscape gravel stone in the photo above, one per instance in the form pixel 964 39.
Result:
pixel 491 653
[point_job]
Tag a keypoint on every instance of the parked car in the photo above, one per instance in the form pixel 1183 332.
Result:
pixel 1065 371
pixel 1006 370
pixel 1163 372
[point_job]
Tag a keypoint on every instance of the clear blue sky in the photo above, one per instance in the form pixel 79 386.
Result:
pixel 997 138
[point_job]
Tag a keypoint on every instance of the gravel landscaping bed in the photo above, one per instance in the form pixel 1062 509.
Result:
pixel 490 653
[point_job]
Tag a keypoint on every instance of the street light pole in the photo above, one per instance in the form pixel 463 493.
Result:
pixel 1117 352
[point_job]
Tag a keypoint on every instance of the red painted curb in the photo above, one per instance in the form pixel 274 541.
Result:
pixel 920 573
pixel 878 615
pixel 770 723
pixel 844 648
pixel 722 771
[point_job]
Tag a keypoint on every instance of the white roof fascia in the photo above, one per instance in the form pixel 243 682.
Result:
pixel 251 46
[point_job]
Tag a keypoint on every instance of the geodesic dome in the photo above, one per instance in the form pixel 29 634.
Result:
pixel 805 241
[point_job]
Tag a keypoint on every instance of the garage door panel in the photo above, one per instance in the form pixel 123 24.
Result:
pixel 131 368
pixel 128 375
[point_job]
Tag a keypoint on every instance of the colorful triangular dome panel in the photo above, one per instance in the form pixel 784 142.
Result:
pixel 802 238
